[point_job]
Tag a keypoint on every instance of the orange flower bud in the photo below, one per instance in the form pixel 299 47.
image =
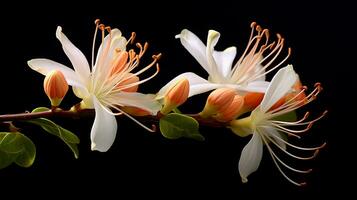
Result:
pixel 232 111
pixel 55 86
pixel 218 101
pixel 176 96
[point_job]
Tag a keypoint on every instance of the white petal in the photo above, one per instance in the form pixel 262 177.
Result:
pixel 44 66
pixel 257 86
pixel 195 47
pixel 251 156
pixel 279 86
pixel 76 57
pixel 144 101
pixel 214 73
pixel 224 60
pixel 271 132
pixel 117 42
pixel 198 84
pixel 104 128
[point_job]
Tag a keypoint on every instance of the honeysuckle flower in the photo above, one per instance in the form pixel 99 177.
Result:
pixel 108 85
pixel 267 129
pixel 248 74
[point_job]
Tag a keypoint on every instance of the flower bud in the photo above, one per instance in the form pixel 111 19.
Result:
pixel 218 101
pixel 55 86
pixel 176 96
pixel 232 111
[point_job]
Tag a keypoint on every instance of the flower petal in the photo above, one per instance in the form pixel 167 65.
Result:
pixel 45 66
pixel 143 101
pixel 251 156
pixel 224 60
pixel 281 83
pixel 115 40
pixel 104 128
pixel 257 86
pixel 272 133
pixel 195 47
pixel 76 57
pixel 198 85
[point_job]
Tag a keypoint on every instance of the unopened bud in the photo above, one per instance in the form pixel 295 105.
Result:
pixel 232 111
pixel 176 96
pixel 218 101
pixel 55 86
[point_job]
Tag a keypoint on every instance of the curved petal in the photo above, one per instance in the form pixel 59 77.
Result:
pixel 257 86
pixel 104 128
pixel 198 84
pixel 115 40
pixel 44 66
pixel 143 101
pixel 251 156
pixel 212 39
pixel 195 47
pixel 76 57
pixel 281 83
pixel 224 60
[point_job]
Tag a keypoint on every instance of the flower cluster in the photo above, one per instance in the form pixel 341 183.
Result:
pixel 241 98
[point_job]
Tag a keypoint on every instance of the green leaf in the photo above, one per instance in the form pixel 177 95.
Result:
pixel 28 155
pixel 67 136
pixel 175 125
pixel 10 143
pixel 40 109
pixel 16 147
pixel 6 159
pixel 288 117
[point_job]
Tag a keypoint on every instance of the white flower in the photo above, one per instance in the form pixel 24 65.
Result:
pixel 266 129
pixel 108 85
pixel 248 74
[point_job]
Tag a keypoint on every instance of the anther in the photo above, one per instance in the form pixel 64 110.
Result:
pixel 97 21
pixel 253 24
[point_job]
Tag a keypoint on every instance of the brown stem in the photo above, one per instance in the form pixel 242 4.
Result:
pixel 90 112
pixel 46 114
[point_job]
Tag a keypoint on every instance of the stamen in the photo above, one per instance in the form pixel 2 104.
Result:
pixel 131 39
pixel 152 129
pixel 292 155
pixel 277 165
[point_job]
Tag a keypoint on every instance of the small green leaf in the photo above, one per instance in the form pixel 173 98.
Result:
pixel 10 143
pixel 28 155
pixel 18 148
pixel 67 136
pixel 6 159
pixel 288 117
pixel 174 126
pixel 40 109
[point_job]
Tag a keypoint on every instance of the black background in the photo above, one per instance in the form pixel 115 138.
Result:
pixel 141 163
